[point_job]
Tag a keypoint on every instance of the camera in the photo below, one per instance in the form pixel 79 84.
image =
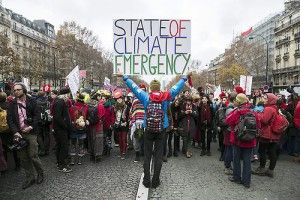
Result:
pixel 19 144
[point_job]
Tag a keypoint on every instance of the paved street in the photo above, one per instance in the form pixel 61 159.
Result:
pixel 195 178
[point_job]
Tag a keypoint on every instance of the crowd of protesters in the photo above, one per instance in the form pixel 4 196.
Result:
pixel 177 121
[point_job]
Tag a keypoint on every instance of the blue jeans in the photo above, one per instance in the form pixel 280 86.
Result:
pixel 245 154
pixel 228 156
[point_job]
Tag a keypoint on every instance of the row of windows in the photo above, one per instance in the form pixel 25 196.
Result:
pixel 285 63
pixel 27 42
pixel 29 30
pixel 285 48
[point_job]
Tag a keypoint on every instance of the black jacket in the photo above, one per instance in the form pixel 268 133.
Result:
pixel 32 113
pixel 61 116
pixel 188 121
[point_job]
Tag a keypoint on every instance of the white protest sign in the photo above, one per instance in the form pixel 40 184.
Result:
pixel 73 80
pixel 26 83
pixel 217 92
pixel 246 84
pixel 285 93
pixel 152 46
pixel 106 81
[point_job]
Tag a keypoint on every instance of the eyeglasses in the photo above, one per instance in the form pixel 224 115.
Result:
pixel 17 90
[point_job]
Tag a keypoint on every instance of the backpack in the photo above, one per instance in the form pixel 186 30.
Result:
pixel 279 124
pixel 3 120
pixel 247 128
pixel 154 117
pixel 221 116
pixel 93 115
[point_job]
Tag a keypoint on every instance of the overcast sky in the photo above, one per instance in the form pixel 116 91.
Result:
pixel 214 22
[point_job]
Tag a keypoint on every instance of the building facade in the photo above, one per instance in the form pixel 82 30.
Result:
pixel 263 35
pixel 214 66
pixel 287 55
pixel 34 42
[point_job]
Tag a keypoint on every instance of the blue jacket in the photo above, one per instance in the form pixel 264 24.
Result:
pixel 144 96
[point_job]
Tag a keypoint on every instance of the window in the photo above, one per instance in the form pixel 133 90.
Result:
pixel 286 48
pixel 17 39
pixel 285 63
pixel 298 45
pixel 297 61
pixel 278 65
pixel 278 51
pixel 15 25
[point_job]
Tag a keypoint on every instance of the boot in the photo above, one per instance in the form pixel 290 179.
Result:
pixel 137 157
pixel 79 162
pixel 270 173
pixel 169 153
pixel 261 171
pixel 72 162
pixel 165 159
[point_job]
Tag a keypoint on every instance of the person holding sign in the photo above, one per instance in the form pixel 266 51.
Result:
pixel 155 122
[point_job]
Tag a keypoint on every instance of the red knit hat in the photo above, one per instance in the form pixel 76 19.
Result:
pixel 222 95
pixel 239 89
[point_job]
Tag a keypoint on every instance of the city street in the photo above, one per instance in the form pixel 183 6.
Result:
pixel 182 178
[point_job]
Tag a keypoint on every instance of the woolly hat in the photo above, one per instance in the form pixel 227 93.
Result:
pixel 155 85
pixel 3 96
pixel 241 99
pixel 272 98
pixel 222 95
pixel 80 97
pixel 239 89
pixel 64 90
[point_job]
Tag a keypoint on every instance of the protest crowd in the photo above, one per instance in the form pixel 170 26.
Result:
pixel 182 121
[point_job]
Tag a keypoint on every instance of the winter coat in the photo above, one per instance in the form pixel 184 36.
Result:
pixel 32 112
pixel 226 132
pixel 205 114
pixel 121 122
pixel 233 119
pixel 175 115
pixel 108 118
pixel 297 116
pixel 187 122
pixel 77 108
pixel 156 96
pixel 61 116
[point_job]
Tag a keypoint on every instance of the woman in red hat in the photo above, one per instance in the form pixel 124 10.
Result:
pixel 121 121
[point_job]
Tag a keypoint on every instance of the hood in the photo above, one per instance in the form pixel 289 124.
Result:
pixel 272 99
pixel 159 96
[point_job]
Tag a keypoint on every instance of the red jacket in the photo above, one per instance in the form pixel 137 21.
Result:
pixel 233 119
pixel 109 117
pixel 297 116
pixel 266 119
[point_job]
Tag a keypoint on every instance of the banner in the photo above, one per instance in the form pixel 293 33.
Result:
pixel 246 84
pixel 73 80
pixel 152 46
pixel 217 92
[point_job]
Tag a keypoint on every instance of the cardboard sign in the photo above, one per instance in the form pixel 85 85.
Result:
pixel 152 46
pixel 246 84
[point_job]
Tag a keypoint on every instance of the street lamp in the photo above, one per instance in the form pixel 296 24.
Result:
pixel 267 43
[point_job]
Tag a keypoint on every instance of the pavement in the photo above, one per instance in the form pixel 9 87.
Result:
pixel 182 178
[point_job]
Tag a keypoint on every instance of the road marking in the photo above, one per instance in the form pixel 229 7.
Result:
pixel 143 192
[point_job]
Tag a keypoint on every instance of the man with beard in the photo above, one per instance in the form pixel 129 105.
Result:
pixel 23 117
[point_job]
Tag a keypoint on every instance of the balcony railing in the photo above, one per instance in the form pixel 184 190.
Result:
pixel 286 56
pixel 283 41
pixel 5 22
pixel 281 27
pixel 29 34
pixel 278 58
pixel 287 70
